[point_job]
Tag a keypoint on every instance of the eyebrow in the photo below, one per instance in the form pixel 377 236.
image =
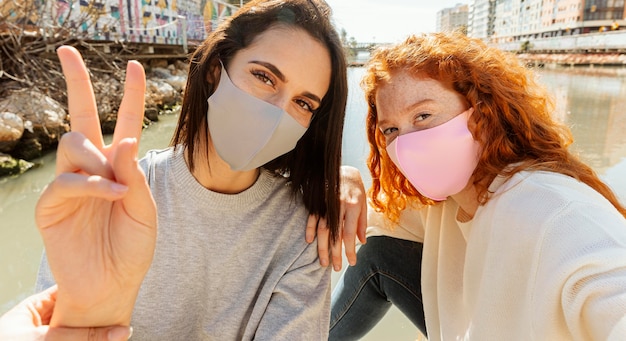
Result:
pixel 408 108
pixel 280 76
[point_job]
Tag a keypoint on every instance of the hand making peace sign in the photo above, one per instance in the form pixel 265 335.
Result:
pixel 97 218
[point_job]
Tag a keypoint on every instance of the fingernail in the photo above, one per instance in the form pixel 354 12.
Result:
pixel 119 188
pixel 120 333
pixel 324 262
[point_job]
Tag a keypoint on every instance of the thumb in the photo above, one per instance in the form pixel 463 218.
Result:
pixel 138 200
pixel 115 333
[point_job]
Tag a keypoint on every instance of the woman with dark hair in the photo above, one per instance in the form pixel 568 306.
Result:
pixel 521 240
pixel 256 150
pixel 312 166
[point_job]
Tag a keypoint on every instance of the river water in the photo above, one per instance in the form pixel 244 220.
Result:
pixel 591 101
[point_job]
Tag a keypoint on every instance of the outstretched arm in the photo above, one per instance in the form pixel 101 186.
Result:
pixel 97 218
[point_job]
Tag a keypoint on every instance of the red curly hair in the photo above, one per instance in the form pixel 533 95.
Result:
pixel 512 116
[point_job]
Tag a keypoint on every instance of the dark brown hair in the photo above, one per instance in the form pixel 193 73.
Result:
pixel 313 166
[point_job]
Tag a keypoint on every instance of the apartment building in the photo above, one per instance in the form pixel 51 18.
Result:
pixel 453 18
pixel 502 21
pixel 481 19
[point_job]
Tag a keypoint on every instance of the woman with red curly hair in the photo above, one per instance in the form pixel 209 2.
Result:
pixel 522 240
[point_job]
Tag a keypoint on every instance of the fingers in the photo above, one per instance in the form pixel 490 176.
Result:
pixel 349 231
pixel 323 235
pixel 318 226
pixel 138 200
pixel 362 224
pixel 71 186
pixel 76 153
pixel 81 100
pixel 130 114
pixel 28 321
pixel 43 304
pixel 336 255
pixel 353 210
pixel 354 224
pixel 116 333
pixel 311 228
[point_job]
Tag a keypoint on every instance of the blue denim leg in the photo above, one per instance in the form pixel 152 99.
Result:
pixel 388 271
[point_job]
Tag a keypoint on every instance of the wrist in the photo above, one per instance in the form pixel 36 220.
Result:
pixel 72 310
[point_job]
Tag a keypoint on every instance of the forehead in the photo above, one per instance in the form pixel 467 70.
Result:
pixel 303 60
pixel 403 90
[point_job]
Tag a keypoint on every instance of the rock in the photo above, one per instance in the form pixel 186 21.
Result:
pixel 12 166
pixel 170 75
pixel 108 124
pixel 11 130
pixel 161 72
pixel 44 118
pixel 158 63
pixel 178 82
pixel 32 123
pixel 152 114
pixel 28 149
pixel 160 93
pixel 108 92
pixel 182 67
pixel 8 165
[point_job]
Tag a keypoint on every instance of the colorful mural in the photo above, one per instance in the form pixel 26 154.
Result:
pixel 147 21
pixel 20 12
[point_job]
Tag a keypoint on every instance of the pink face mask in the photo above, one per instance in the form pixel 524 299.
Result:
pixel 438 161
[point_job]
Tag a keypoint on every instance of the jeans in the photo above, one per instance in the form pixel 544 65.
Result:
pixel 388 271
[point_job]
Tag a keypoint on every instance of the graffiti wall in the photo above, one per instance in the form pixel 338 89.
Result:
pixel 144 21
pixel 24 12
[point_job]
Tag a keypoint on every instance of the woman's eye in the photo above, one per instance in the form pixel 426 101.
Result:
pixel 389 131
pixel 263 77
pixel 304 105
pixel 421 117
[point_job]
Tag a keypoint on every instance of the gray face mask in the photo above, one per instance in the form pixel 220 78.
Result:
pixel 248 132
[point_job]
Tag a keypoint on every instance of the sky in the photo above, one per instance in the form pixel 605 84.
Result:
pixel 387 21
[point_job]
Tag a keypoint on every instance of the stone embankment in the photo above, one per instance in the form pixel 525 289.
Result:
pixel 31 122
pixel 573 59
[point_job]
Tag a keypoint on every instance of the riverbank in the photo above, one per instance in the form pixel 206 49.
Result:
pixel 552 59
pixel 33 119
pixel 573 59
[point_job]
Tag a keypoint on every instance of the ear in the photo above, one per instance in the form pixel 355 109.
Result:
pixel 214 73
pixel 471 123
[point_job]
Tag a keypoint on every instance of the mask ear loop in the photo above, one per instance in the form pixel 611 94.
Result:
pixel 222 67
pixel 212 71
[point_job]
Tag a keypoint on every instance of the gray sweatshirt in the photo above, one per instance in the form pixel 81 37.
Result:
pixel 227 266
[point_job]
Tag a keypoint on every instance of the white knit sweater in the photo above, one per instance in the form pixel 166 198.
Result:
pixel 545 259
